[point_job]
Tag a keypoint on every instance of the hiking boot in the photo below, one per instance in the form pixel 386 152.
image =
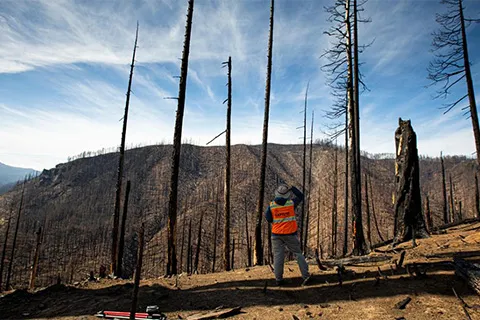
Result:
pixel 307 280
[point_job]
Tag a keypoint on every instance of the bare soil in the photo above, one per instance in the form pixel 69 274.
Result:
pixel 365 293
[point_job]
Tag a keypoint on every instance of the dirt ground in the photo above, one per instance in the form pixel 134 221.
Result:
pixel 365 293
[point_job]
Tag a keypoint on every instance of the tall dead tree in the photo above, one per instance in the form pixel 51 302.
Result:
pixel 452 63
pixel 14 244
pixel 4 251
pixel 215 227
pixel 444 192
pixel 177 144
pixel 409 222
pixel 367 204
pixel 226 227
pixel 373 212
pixel 345 196
pixel 138 271
pixel 33 274
pixel 303 226
pixel 118 187
pixel 307 222
pixel 121 242
pixel 189 248
pixel 452 204
pixel 477 198
pixel 334 204
pixel 199 244
pixel 318 219
pixel 249 249
pixel 428 214
pixel 258 248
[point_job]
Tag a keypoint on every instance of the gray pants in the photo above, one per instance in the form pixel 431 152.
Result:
pixel 293 245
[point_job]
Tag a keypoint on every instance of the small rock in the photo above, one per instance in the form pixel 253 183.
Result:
pixel 320 314
pixel 305 306
pixel 247 269
pixel 324 305
pixel 308 313
pixel 280 309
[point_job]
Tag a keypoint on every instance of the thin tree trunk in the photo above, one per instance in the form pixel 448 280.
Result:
pixel 444 191
pixel 359 247
pixel 215 227
pixel 138 272
pixel 318 219
pixel 303 226
pixel 334 204
pixel 199 243
pixel 121 242
pixel 35 259
pixel 346 208
pixel 305 251
pixel 477 198
pixel 177 144
pixel 369 230
pixel 183 243
pixel 226 230
pixel 258 249
pixel 452 205
pixel 17 225
pixel 233 254
pixel 373 211
pixel 189 248
pixel 249 250
pixel 4 251
pixel 471 92
pixel 118 189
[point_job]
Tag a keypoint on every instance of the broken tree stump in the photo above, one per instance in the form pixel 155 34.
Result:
pixel 402 304
pixel 409 221
pixel 468 271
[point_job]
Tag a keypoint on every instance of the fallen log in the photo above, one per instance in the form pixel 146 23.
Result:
pixel 216 314
pixel 402 304
pixel 455 255
pixel 470 272
pixel 355 260
pixel 454 224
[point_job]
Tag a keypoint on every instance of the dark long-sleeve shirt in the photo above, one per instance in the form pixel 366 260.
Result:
pixel 298 197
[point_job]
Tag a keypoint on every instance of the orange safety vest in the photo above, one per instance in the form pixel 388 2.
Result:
pixel 284 220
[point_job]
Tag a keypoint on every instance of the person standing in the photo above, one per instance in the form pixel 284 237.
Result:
pixel 281 214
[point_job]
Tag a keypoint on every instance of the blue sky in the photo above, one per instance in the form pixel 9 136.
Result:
pixel 64 71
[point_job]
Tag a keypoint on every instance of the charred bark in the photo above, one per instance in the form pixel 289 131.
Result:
pixel 303 226
pixel 444 192
pixel 121 242
pixel 199 243
pixel 226 230
pixel 177 144
pixel 409 222
pixel 477 198
pixel 138 272
pixel 258 248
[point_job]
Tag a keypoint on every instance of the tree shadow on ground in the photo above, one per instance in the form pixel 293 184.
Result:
pixel 60 301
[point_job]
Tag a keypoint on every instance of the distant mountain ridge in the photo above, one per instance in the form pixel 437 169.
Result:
pixel 9 175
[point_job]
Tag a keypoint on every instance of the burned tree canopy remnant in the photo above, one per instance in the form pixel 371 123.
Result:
pixel 409 220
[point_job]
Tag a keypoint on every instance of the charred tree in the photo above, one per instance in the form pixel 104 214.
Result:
pixel 367 204
pixel 226 227
pixel 444 192
pixel 307 222
pixel 118 188
pixel 452 63
pixel 177 144
pixel 189 248
pixel 334 204
pixel 138 271
pixel 17 225
pixel 345 196
pixel 33 275
pixel 183 244
pixel 303 226
pixel 373 212
pixel 409 222
pixel 258 248
pixel 215 227
pixel 249 249
pixel 121 242
pixel 199 243
pixel 477 198
pixel 318 219
pixel 452 204
pixel 428 215
pixel 233 254
pixel 4 251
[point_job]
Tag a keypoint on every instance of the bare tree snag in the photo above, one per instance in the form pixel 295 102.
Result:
pixel 232 264
pixel 177 144
pixel 17 225
pixel 258 249
pixel 477 198
pixel 249 249
pixel 35 259
pixel 428 215
pixel 4 251
pixel 189 248
pixel 183 243
pixel 121 242
pixel 444 192
pixel 452 205
pixel 226 228
pixel 345 198
pixel 369 229
pixel 118 187
pixel 199 243
pixel 303 226
pixel 215 227
pixel 409 222
pixel 334 204
pixel 373 212
pixel 138 271
pixel 307 222
pixel 318 219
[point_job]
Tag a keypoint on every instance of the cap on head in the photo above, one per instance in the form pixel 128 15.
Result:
pixel 283 191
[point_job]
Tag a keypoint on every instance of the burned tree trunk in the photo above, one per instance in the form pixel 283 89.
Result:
pixel 307 222
pixel 258 248
pixel 444 192
pixel 183 244
pixel 233 254
pixel 334 205
pixel 138 271
pixel 199 243
pixel 477 198
pixel 17 225
pixel 4 251
pixel 177 144
pixel 303 226
pixel 189 248
pixel 226 228
pixel 118 188
pixel 452 204
pixel 373 211
pixel 249 250
pixel 33 275
pixel 345 196
pixel 409 220
pixel 428 215
pixel 369 229
pixel 215 227
pixel 121 242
